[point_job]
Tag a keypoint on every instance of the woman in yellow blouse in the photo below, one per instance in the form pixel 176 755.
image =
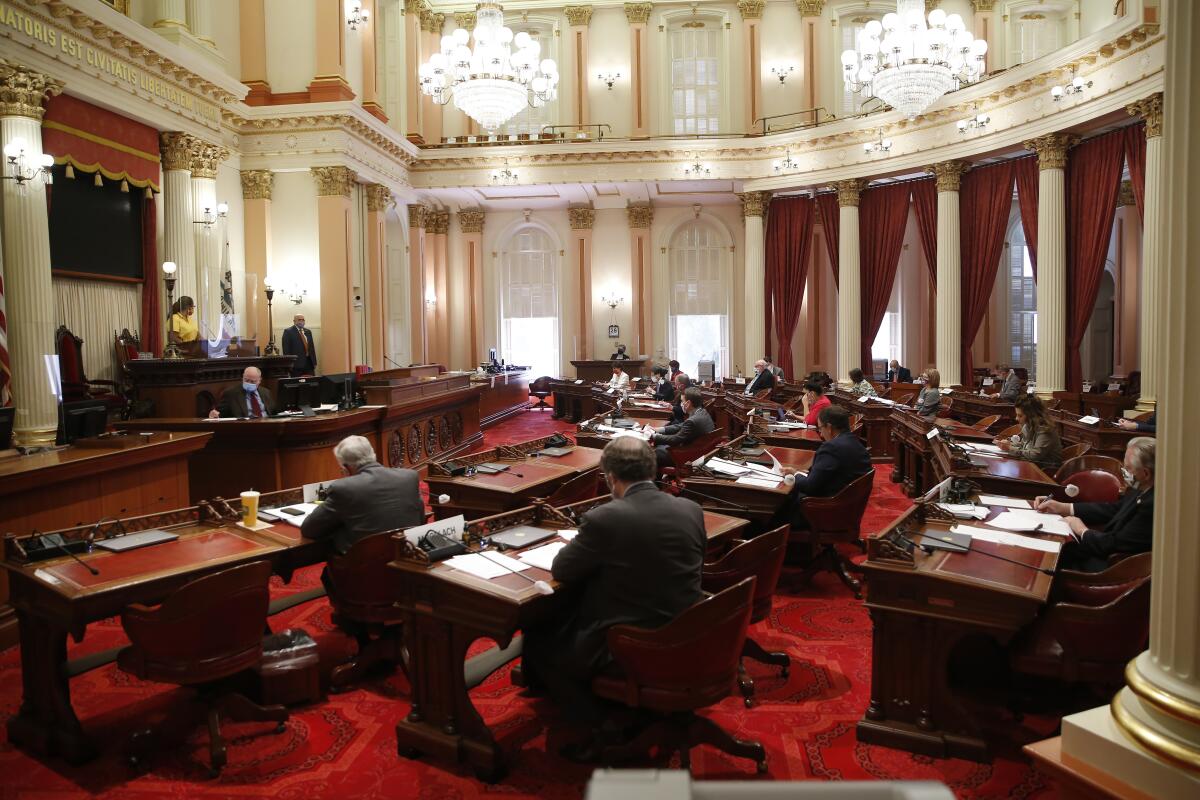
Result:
pixel 183 327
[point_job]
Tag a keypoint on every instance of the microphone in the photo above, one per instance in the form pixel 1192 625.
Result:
pixel 55 540
pixel 443 499
pixel 1071 490
pixel 393 362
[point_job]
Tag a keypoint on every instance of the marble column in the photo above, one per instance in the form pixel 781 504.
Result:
pixel 257 185
pixel 416 289
pixel 465 20
pixel 1153 286
pixel 754 211
pixel 470 223
pixel 209 240
pixel 199 20
pixel 638 16
pixel 335 348
pixel 179 241
pixel 1127 299
pixel 849 325
pixel 252 35
pixel 752 11
pixel 379 199
pixel 578 20
pixel 329 84
pixel 437 227
pixel 580 259
pixel 370 77
pixel 640 255
pixel 170 14
pixel 28 293
pixel 1051 374
pixel 984 27
pixel 414 99
pixel 811 36
pixel 431 112
pixel 950 344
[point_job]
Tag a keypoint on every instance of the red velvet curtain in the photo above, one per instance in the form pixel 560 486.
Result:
pixel 152 318
pixel 985 201
pixel 1093 182
pixel 831 222
pixel 883 216
pixel 1026 172
pixel 924 199
pixel 1135 159
pixel 789 248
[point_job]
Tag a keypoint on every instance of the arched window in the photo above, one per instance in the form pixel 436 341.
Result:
pixel 529 302
pixel 695 77
pixel 698 325
pixel 1022 300
pixel 889 341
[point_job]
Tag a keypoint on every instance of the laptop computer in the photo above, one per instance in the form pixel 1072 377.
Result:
pixel 132 541
pixel 521 536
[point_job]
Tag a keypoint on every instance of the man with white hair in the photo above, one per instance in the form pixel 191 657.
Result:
pixel 763 378
pixel 251 399
pixel 371 498
pixel 1100 530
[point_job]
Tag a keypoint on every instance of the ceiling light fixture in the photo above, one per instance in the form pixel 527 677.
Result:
pixel 974 123
pixel 697 169
pixel 785 164
pixel 504 176
pixel 781 71
pixel 881 145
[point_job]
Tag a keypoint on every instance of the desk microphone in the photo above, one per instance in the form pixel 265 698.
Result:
pixel 929 551
pixel 1071 490
pixel 55 541
pixel 393 362
pixel 714 498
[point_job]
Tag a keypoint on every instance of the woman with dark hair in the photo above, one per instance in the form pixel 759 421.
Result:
pixel 1038 441
pixel 183 327
pixel 859 385
pixel 814 400
pixel 675 370
pixel 930 398
pixel 662 388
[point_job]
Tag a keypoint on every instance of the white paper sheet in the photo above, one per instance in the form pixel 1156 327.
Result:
pixel 724 467
pixel 568 533
pixel 754 480
pixel 1031 521
pixel 297 519
pixel 1088 420
pixel 983 448
pixel 1007 502
pixel 542 557
pixel 965 510
pixel 1013 539
pixel 486 565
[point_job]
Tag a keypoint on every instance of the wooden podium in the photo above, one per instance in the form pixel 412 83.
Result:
pixel 601 369
pixel 191 387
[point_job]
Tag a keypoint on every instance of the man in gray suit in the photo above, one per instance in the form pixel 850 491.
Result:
pixel 251 399
pixel 696 423
pixel 1010 390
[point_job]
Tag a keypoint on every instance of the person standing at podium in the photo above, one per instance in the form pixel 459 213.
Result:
pixel 183 328
pixel 251 399
pixel 298 342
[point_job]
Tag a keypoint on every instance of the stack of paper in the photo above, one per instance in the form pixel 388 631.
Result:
pixel 1020 520
pixel 486 565
pixel 542 557
pixel 1013 539
pixel 761 481
pixel 965 510
pixel 983 448
pixel 723 467
pixel 999 500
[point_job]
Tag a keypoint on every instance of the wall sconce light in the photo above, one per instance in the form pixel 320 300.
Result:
pixel 608 78
pixel 975 123
pixel 881 146
pixel 504 176
pixel 23 168
pixel 785 164
pixel 356 15
pixel 430 298
pixel 297 294
pixel 208 218
pixel 612 299
pixel 1076 86
pixel 781 71
pixel 697 169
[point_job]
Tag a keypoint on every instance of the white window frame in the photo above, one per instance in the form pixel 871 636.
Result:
pixel 505 283
pixel 670 21
pixel 1014 249
pixel 1056 12
pixel 723 287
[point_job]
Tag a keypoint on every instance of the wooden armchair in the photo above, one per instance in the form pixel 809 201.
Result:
pixel 762 394
pixel 539 390
pixel 945 407
pixel 760 558
pixel 584 486
pixel 1075 451
pixel 75 383
pixel 1098 479
pixel 986 422
pixel 832 521
pixel 683 455
pixel 1070 466
pixel 1011 430
pixel 362 592
pixel 205 632
pixel 673 671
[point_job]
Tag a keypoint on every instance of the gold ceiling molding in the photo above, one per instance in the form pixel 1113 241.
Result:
pixel 324 122
pixel 257 184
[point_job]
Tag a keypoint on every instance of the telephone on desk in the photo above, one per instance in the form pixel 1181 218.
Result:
pixel 438 547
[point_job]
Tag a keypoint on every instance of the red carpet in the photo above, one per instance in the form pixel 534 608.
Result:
pixel 345 745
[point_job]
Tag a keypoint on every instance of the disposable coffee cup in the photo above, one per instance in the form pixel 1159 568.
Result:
pixel 250 508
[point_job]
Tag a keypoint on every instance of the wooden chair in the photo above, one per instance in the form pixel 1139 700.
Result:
pixel 945 406
pixel 1108 464
pixel 1011 430
pixel 1093 486
pixel 584 486
pixel 683 455
pixel 363 593
pixel 205 632
pixel 1075 451
pixel 832 521
pixel 75 383
pixel 539 390
pixel 760 558
pixel 905 399
pixel 763 394
pixel 986 422
pixel 673 671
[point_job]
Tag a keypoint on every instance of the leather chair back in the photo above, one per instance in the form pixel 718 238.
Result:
pixel 540 387
pixel 1011 430
pixel 762 394
pixel 1100 588
pixel 986 422
pixel 582 487
pixel 1075 451
pixel 839 518
pixel 760 558
pixel 362 588
pixel 681 455
pixel 207 629
pixel 1070 466
pixel 1095 486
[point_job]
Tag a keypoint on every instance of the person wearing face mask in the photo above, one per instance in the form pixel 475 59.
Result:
pixel 663 389
pixel 929 400
pixel 838 461
pixel 764 378
pixel 1011 389
pixel 1100 530
pixel 697 424
pixel 183 327
pixel 251 399
pixel 298 342
pixel 1039 441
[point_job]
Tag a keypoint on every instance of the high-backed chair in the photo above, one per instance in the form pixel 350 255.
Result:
pixel 1075 451
pixel 584 486
pixel 1011 430
pixel 362 592
pixel 905 399
pixel 673 671
pixel 75 383
pixel 539 390
pixel 204 633
pixel 1096 481
pixel 683 455
pixel 760 558
pixel 832 521
pixel 1070 466
pixel 945 406
pixel 762 394
pixel 986 422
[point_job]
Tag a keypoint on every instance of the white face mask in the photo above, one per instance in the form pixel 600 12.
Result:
pixel 1130 480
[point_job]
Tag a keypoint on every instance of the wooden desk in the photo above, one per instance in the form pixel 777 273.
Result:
pixel 877 422
pixel 503 396
pixel 756 503
pixel 189 387
pixel 970 408
pixel 578 401
pixel 601 369
pixel 382 391
pixel 1105 438
pixel 1004 476
pixel 586 434
pixel 913 461
pixel 412 371
pixel 1108 406
pixel 923 607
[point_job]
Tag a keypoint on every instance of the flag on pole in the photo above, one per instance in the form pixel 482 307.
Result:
pixel 5 363
pixel 228 320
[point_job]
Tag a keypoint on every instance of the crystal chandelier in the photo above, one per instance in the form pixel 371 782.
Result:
pixel 908 64
pixel 490 83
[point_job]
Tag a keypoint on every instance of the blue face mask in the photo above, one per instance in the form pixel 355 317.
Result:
pixel 250 387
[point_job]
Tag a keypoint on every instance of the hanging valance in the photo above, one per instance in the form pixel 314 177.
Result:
pixel 91 139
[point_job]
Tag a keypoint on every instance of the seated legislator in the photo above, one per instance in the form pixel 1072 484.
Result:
pixel 371 499
pixel 675 370
pixel 859 384
pixel 763 378
pixel 776 371
pixel 929 400
pixel 619 379
pixel 1100 530
pixel 1147 425
pixel 697 423
pixel 183 327
pixel 898 374
pixel 251 399
pixel 681 382
pixel 814 400
pixel 1038 441
pixel 662 388
pixel 839 460
pixel 635 561
pixel 1011 389
pixel 620 355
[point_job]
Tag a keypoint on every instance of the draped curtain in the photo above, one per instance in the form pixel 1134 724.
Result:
pixel 924 199
pixel 789 248
pixel 152 318
pixel 1135 160
pixel 831 223
pixel 89 308
pixel 1026 172
pixel 884 216
pixel 1093 182
pixel 985 201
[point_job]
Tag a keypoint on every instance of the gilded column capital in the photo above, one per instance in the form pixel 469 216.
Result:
pixel 1052 149
pixel 416 216
pixel 754 204
pixel 751 9
pixel 438 21
pixel 22 90
pixel 930 5
pixel 810 8
pixel 949 174
pixel 206 159
pixel 413 6
pixel 640 216
pixel 578 16
pixel 177 149
pixel 850 191
pixel 1151 110
pixel 426 20
pixel 333 181
pixel 581 219
pixel 638 13
pixel 437 222
pixel 257 184
pixel 1126 197
pixel 379 197
pixel 470 220
pixel 465 20
pixel 983 5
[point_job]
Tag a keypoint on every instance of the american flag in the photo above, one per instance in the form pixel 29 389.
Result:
pixel 5 363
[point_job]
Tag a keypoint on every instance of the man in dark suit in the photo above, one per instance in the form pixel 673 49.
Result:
pixel 763 378
pixel 838 461
pixel 663 389
pixel 620 355
pixel 251 399
pixel 681 382
pixel 298 342
pixel 635 561
pixel 898 374
pixel 1099 530
pixel 697 424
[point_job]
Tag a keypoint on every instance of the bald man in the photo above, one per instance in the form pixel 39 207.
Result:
pixel 251 399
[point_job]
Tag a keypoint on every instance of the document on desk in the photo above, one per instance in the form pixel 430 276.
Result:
pixel 1007 502
pixel 723 467
pixel 757 479
pixel 486 565
pixel 965 510
pixel 542 557
pixel 1031 521
pixel 568 533
pixel 294 514
pixel 1012 539
pixel 983 448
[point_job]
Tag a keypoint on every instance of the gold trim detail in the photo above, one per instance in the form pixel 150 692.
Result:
pixel 437 222
pixel 850 191
pixel 91 137
pixel 578 16
pixel 810 8
pixel 638 13
pixel 177 150
pixel 257 184
pixel 471 220
pixel 949 174
pixel 1052 149
pixel 581 219
pixel 754 204
pixel 751 9
pixel 379 198
pixel 416 216
pixel 333 181
pixel 640 216
pixel 206 159
pixel 91 169
pixel 1151 740
pixel 1160 698
pixel 22 90
pixel 1151 110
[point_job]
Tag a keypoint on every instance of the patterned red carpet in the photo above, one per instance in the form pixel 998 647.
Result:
pixel 345 745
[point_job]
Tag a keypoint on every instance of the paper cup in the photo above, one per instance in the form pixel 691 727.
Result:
pixel 250 508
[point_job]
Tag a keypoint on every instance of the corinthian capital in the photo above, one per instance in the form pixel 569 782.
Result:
pixel 470 220
pixel 1151 110
pixel 333 181
pixel 640 216
pixel 257 184
pixel 949 174
pixel 581 219
pixel 177 149
pixel 1052 149
pixel 850 191
pixel 416 216
pixel 379 197
pixel 22 91
pixel 754 204
pixel 465 20
pixel 751 9
pixel 638 13
pixel 437 222
pixel 810 8
pixel 206 159
pixel 578 16
pixel 983 5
